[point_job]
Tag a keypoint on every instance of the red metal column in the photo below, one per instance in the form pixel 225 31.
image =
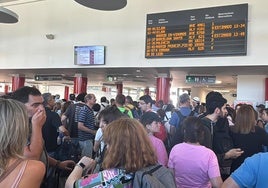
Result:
pixel 6 89
pixel 66 93
pixel 119 87
pixel 17 82
pixel 163 89
pixel 80 84
pixel 266 89
pixel 104 89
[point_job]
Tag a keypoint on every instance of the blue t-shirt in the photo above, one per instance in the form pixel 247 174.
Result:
pixel 253 172
pixel 175 119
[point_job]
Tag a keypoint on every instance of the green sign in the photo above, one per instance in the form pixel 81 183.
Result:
pixel 200 79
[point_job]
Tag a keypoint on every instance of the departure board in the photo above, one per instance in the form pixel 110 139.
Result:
pixel 215 31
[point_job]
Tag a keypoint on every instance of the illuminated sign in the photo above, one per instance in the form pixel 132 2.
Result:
pixel 212 31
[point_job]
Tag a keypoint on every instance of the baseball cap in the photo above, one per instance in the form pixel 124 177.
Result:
pixel 149 117
pixel 260 106
pixel 196 99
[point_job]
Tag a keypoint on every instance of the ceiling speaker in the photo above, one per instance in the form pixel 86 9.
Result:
pixel 7 16
pixel 103 4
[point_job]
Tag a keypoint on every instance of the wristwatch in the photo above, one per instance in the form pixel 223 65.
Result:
pixel 82 165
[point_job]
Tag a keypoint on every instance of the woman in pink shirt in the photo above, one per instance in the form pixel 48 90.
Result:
pixel 151 122
pixel 194 165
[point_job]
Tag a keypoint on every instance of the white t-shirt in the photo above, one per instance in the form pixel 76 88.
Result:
pixel 98 137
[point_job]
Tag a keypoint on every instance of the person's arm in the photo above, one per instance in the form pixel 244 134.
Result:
pixel 96 145
pixel 64 130
pixel 216 182
pixel 64 120
pixel 229 183
pixel 64 165
pixel 82 127
pixel 35 147
pixel 78 170
pixel 233 153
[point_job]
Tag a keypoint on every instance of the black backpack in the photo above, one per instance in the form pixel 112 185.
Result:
pixel 69 150
pixel 178 137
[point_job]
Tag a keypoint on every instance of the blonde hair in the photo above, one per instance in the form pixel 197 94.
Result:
pixel 14 130
pixel 128 146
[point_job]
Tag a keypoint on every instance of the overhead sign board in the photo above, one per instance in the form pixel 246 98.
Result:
pixel 200 79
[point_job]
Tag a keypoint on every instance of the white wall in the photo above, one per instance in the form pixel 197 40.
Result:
pixel 24 45
pixel 251 88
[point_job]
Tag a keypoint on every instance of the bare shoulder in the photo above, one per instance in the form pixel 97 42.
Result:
pixel 33 175
pixel 34 165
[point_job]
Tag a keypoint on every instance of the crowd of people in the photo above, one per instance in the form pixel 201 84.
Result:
pixel 204 144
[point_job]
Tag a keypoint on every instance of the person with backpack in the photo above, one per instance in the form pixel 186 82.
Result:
pixel 129 150
pixel 120 102
pixel 130 106
pixel 177 118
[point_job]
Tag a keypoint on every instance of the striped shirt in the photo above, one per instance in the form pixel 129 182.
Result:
pixel 86 116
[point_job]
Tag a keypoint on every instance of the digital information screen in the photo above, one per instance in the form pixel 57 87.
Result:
pixel 89 55
pixel 215 31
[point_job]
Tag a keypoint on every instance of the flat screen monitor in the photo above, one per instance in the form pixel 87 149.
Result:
pixel 89 55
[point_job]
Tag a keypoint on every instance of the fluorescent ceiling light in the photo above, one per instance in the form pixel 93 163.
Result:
pixel 218 82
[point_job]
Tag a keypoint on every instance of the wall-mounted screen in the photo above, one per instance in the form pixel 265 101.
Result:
pixel 89 55
pixel 212 31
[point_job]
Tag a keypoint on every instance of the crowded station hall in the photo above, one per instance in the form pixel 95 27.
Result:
pixel 133 94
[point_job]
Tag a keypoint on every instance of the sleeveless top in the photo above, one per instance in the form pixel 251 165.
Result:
pixel 19 175
pixel 21 172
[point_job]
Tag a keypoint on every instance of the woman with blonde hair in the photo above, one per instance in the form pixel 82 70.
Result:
pixel 15 171
pixel 128 150
pixel 246 135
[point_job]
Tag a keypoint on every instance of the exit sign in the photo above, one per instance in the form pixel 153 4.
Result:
pixel 200 79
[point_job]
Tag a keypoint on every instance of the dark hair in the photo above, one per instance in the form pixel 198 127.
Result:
pixel 169 108
pixel 96 107
pixel 149 117
pixel 110 114
pixel 81 97
pixel 120 99
pixel 231 112
pixel 161 113
pixel 193 129
pixel 65 106
pixel 214 102
pixel 265 110
pixel 103 99
pixel 213 94
pixel 147 99
pixel 22 94
pixel 72 97
pixel 129 99
pixel 112 101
